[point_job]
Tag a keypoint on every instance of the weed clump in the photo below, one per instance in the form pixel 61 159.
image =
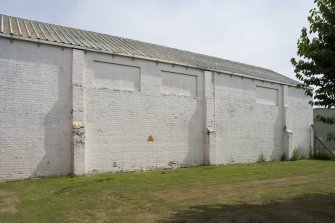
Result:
pixel 322 154
pixel 261 158
pixel 297 155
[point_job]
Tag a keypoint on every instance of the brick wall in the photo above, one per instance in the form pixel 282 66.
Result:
pixel 300 119
pixel 245 128
pixel 118 122
pixel 35 110
pixel 68 111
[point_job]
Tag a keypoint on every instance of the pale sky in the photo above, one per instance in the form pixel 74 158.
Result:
pixel 258 32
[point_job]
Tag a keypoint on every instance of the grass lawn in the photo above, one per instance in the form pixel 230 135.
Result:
pixel 300 191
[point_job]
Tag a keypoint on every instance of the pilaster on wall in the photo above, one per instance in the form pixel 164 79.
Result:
pixel 210 142
pixel 288 134
pixel 78 125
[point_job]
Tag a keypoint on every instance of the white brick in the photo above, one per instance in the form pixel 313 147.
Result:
pixel 35 96
pixel 246 129
pixel 45 91
pixel 118 123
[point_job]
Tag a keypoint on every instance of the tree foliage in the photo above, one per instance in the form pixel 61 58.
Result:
pixel 316 49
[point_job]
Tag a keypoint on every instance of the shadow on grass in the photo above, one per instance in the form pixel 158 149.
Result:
pixel 310 208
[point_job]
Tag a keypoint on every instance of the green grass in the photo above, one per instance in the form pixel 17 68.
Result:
pixel 300 191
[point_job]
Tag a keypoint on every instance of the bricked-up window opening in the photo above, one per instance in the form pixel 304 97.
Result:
pixel 266 96
pixel 178 84
pixel 116 76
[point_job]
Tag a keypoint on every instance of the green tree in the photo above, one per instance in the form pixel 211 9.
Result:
pixel 315 67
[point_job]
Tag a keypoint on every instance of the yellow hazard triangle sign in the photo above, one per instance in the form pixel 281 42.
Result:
pixel 150 138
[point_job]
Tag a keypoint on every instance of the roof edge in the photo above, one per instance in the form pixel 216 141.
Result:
pixel 40 41
pixel 187 51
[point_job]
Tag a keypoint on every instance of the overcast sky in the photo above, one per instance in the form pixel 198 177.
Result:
pixel 258 32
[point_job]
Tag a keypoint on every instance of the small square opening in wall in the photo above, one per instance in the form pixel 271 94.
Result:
pixel 178 84
pixel 116 76
pixel 266 96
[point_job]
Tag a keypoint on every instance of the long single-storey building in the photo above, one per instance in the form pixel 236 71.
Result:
pixel 77 102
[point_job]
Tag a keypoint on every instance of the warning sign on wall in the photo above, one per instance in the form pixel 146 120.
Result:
pixel 150 138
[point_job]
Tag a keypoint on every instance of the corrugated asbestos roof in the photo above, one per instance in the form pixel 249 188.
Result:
pixel 12 27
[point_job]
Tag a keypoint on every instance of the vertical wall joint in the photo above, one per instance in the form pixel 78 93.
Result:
pixel 210 134
pixel 288 134
pixel 78 124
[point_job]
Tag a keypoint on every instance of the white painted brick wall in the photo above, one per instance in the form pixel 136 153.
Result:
pixel 35 110
pixel 244 128
pixel 40 86
pixel 300 119
pixel 118 123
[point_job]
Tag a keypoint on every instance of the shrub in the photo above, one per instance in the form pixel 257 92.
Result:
pixel 297 155
pixel 283 157
pixel 322 154
pixel 261 158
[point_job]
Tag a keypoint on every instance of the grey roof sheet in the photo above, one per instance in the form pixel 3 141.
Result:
pixel 72 37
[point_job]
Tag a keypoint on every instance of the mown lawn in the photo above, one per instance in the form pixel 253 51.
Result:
pixel 300 191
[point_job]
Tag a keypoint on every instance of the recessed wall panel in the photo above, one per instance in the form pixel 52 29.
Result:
pixel 178 84
pixel 116 76
pixel 267 96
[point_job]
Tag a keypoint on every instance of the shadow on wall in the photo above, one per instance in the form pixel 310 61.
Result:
pixel 278 139
pixel 57 159
pixel 308 208
pixel 196 145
